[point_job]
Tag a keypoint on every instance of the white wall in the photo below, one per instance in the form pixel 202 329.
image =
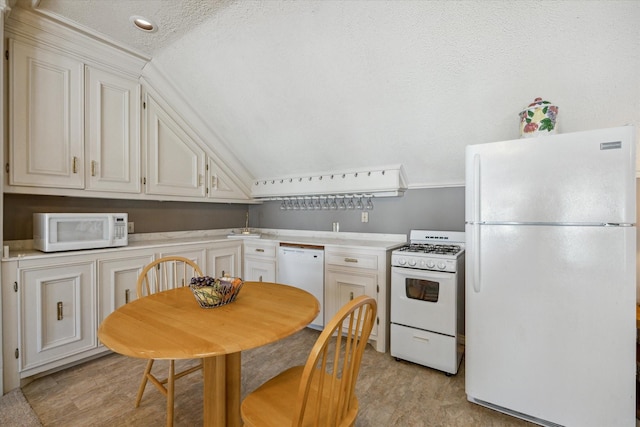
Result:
pixel 297 87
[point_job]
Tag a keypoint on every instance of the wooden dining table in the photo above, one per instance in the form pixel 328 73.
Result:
pixel 171 325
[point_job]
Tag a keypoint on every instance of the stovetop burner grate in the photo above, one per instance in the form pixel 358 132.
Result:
pixel 431 249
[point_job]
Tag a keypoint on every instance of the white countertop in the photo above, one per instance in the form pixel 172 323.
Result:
pixel 20 249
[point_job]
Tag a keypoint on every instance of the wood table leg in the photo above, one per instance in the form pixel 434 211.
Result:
pixel 234 385
pixel 214 384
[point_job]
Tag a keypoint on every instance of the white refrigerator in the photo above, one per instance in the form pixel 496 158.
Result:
pixel 550 277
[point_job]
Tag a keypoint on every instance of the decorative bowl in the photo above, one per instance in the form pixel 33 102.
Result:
pixel 538 118
pixel 213 292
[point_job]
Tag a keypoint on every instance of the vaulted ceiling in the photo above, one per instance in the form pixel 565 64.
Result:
pixel 314 86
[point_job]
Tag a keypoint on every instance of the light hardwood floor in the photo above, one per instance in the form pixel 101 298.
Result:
pixel 102 392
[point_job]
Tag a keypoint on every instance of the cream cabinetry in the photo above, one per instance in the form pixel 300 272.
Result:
pixel 53 304
pixel 57 312
pixel 112 132
pixel 224 259
pixel 117 277
pixel 45 118
pixel 259 260
pixel 77 128
pixel 178 165
pixel 350 273
pixel 221 185
pixel 175 163
pixel 47 142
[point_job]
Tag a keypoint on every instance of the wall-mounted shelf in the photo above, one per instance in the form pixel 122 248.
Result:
pixel 380 181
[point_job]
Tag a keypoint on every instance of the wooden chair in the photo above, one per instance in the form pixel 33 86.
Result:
pixel 162 274
pixel 320 393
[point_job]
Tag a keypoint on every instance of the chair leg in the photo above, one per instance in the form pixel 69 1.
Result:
pixel 170 389
pixel 143 383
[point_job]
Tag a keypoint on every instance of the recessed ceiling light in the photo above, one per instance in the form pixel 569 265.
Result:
pixel 143 24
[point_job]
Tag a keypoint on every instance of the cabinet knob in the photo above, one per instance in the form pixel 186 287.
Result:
pixel 60 313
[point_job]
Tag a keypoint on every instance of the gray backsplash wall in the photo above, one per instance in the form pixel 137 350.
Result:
pixel 148 216
pixel 430 209
pixel 436 208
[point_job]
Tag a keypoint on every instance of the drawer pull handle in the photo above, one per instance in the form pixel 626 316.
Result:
pixel 260 279
pixel 259 250
pixel 126 296
pixel 214 182
pixel 60 313
pixel 351 260
pixel 350 296
pixel 421 338
pixel 93 168
pixel 74 164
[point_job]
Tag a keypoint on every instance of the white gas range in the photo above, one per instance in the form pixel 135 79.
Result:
pixel 427 299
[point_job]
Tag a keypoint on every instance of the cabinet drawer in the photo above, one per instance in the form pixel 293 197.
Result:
pixel 255 249
pixel 352 260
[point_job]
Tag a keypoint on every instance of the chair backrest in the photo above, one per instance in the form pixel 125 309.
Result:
pixel 326 396
pixel 166 273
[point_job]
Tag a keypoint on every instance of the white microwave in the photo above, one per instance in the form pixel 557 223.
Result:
pixel 53 232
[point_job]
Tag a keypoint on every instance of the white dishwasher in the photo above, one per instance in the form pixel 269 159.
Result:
pixel 302 266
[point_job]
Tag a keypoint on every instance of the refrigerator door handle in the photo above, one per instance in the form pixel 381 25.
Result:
pixel 476 258
pixel 476 226
pixel 475 215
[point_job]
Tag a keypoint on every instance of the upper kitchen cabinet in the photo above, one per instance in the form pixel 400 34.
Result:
pixel 221 185
pixel 113 132
pixel 175 163
pixel 50 111
pixel 178 163
pixel 45 118
pixel 77 126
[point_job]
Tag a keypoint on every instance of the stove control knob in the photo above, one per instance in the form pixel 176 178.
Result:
pixel 430 264
pixel 412 262
pixel 402 261
pixel 441 265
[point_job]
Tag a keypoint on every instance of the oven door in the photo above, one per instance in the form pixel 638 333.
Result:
pixel 424 299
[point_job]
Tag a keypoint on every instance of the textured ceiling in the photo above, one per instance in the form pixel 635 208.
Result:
pixel 174 18
pixel 296 87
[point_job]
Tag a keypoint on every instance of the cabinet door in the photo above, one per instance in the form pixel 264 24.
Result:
pixel 259 270
pixel 175 163
pixel 343 284
pixel 113 132
pixel 117 282
pixel 224 260
pixel 221 186
pixel 197 255
pixel 45 118
pixel 57 312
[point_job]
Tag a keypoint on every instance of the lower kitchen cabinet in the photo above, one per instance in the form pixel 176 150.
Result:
pixel 57 313
pixel 196 254
pixel 224 259
pixel 351 273
pixel 53 305
pixel 259 261
pixel 117 278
